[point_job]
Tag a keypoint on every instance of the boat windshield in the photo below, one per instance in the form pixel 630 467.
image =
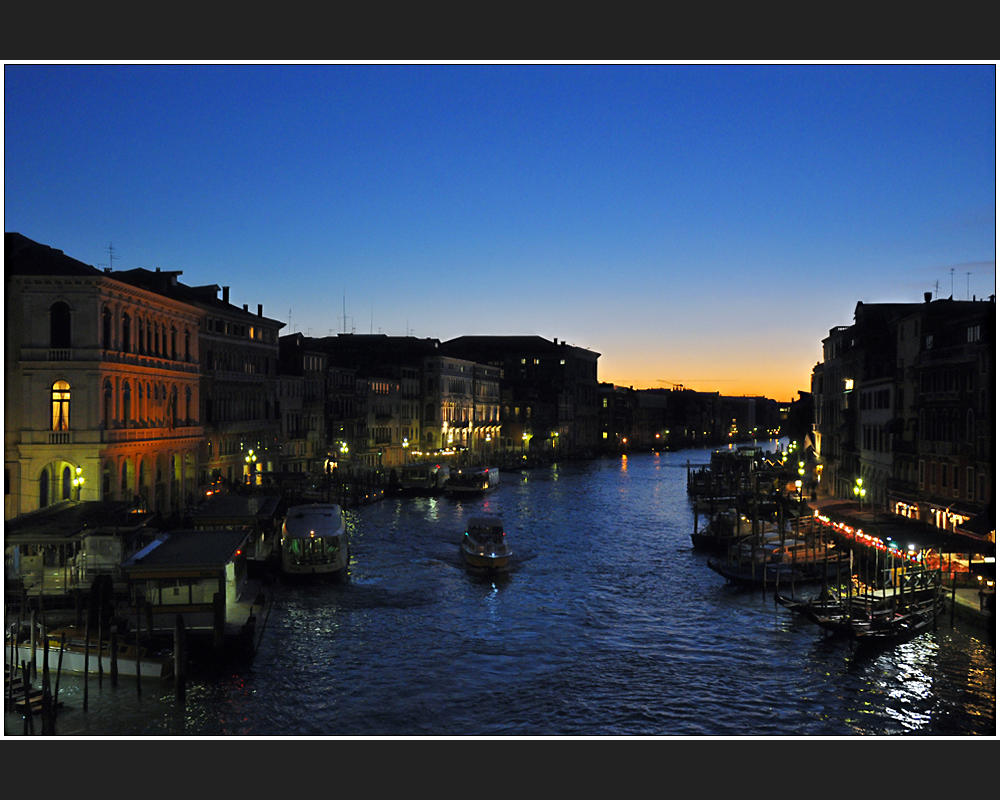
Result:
pixel 486 533
pixel 318 550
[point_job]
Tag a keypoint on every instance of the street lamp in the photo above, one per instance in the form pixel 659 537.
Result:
pixel 251 460
pixel 859 491
pixel 78 482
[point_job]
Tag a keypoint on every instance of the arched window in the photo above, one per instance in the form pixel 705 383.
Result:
pixel 109 405
pixel 60 406
pixel 173 343
pixel 126 332
pixel 172 408
pixel 187 406
pixel 106 329
pixel 187 345
pixel 67 483
pixel 43 488
pixel 59 326
pixel 126 404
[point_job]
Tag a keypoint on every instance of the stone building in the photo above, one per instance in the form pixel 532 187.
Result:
pixel 905 416
pixel 549 390
pixel 101 386
pixel 238 374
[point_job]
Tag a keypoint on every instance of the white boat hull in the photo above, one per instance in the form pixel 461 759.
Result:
pixel 74 662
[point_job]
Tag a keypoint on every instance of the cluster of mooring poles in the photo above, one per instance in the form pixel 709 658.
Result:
pixel 21 695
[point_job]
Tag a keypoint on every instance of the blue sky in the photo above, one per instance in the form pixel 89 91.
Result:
pixel 696 224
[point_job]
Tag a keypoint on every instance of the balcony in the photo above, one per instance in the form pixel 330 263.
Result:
pixel 146 434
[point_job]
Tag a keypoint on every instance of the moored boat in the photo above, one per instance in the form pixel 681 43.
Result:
pixel 68 651
pixel 473 480
pixel 780 561
pixel 722 531
pixel 314 542
pixel 873 617
pixel 484 543
pixel 424 478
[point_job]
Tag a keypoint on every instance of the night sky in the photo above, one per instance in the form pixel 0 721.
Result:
pixel 697 224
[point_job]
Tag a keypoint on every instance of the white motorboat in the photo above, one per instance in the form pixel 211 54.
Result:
pixel 484 543
pixel 314 541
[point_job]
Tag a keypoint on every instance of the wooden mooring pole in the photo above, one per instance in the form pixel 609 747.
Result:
pixel 138 656
pixel 62 648
pixel 180 658
pixel 34 641
pixel 114 658
pixel 952 600
pixel 86 659
pixel 29 724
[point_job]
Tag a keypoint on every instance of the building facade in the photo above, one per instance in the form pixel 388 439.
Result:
pixel 905 416
pixel 102 386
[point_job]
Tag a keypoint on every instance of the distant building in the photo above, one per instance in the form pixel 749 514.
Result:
pixel 549 390
pixel 302 399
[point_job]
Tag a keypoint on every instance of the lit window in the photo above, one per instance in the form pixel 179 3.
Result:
pixel 60 406
pixel 848 384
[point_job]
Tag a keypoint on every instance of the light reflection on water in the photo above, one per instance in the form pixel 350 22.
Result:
pixel 606 624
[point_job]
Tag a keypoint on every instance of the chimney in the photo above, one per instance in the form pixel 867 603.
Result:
pixel 927 297
pixel 260 309
pixel 244 306
pixel 225 294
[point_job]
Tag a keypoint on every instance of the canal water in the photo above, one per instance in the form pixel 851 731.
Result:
pixel 607 624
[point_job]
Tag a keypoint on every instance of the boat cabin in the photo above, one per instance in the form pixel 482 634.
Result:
pixel 485 530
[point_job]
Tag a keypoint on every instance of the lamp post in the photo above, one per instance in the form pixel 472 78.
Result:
pixel 78 482
pixel 251 460
pixel 798 516
pixel 859 491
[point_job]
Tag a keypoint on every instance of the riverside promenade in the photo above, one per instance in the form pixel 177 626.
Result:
pixel 961 589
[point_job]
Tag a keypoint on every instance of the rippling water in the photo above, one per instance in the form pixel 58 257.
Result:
pixel 608 624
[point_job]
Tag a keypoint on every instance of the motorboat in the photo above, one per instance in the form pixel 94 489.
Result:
pixel 68 650
pixel 484 543
pixel 314 541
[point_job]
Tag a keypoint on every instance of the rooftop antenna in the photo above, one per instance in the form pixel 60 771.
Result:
pixel 111 256
pixel 953 282
pixel 967 274
pixel 345 311
pixel 935 290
